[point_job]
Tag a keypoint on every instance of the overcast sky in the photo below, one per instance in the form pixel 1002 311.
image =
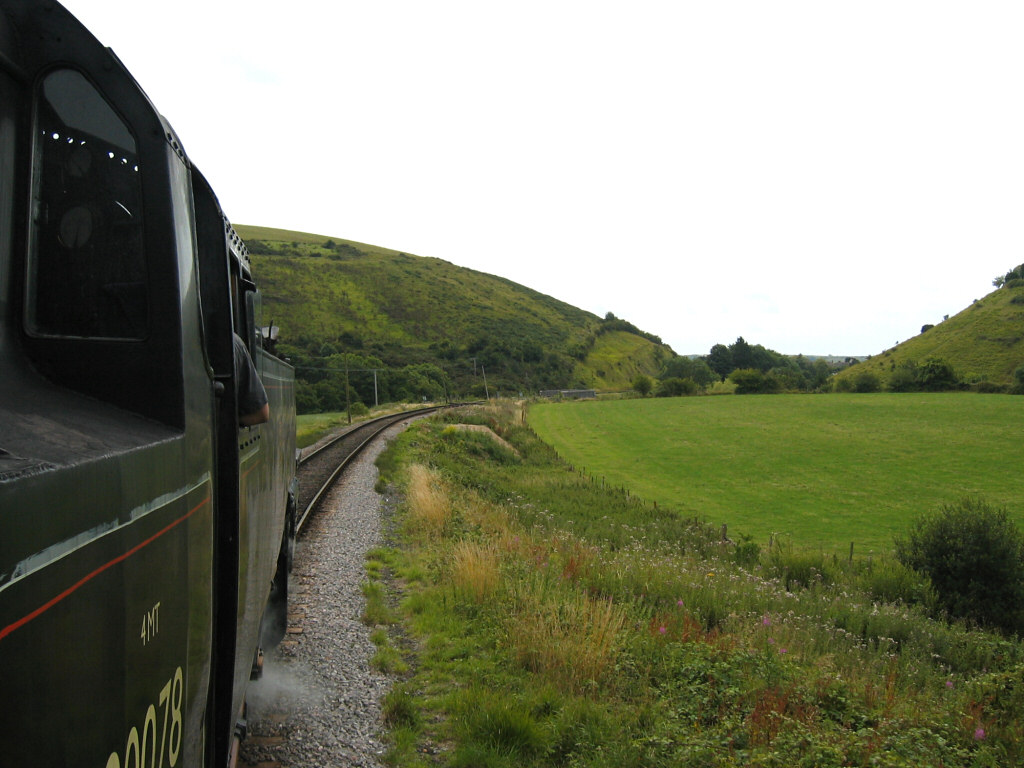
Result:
pixel 817 177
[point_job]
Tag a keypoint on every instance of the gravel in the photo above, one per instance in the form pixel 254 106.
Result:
pixel 318 703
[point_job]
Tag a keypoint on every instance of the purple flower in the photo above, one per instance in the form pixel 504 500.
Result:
pixel 766 621
pixel 782 650
pixel 679 603
pixel 979 734
pixel 949 683
pixel 662 630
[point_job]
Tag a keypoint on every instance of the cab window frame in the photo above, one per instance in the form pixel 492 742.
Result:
pixel 86 274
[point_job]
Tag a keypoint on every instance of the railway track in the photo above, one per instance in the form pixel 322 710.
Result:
pixel 318 701
pixel 319 468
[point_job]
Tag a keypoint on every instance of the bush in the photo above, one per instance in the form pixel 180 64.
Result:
pixel 867 382
pixel 751 381
pixel 1018 381
pixel 676 387
pixel 937 375
pixel 989 387
pixel 643 384
pixel 973 555
pixel 844 385
pixel 903 379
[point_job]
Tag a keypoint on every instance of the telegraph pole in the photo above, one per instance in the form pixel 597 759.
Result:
pixel 348 397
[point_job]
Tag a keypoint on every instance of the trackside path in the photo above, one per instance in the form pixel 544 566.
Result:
pixel 318 703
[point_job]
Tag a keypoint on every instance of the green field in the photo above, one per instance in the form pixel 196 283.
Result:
pixel 821 471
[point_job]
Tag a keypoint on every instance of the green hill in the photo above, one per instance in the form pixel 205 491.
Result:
pixel 983 343
pixel 340 303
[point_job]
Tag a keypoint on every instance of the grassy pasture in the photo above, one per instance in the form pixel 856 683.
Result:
pixel 823 471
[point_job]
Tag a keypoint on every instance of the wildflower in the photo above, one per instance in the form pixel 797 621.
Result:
pixel 979 734
pixel 766 621
pixel 679 603
pixel 949 683
pixel 782 650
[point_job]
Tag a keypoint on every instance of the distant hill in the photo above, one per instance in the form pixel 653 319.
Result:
pixel 983 343
pixel 334 297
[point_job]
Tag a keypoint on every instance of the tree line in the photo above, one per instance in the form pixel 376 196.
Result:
pixel 750 368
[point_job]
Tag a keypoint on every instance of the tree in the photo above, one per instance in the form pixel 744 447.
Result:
pixel 688 368
pixel 719 360
pixel 643 384
pixel 1011 278
pixel 790 377
pixel 973 554
pixel 936 375
pixel 742 354
pixel 306 399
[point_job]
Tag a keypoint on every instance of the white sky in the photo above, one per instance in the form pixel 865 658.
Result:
pixel 818 177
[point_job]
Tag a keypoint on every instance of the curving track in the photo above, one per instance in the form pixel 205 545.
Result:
pixel 318 702
pixel 320 468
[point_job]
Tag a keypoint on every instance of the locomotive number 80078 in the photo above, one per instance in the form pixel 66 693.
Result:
pixel 144 533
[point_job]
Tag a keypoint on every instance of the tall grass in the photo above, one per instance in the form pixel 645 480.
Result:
pixel 429 509
pixel 568 637
pixel 475 574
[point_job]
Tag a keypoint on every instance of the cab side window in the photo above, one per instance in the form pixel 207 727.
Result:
pixel 8 102
pixel 87 272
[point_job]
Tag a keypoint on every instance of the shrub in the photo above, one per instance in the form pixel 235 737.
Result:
pixel 674 387
pixel 1018 381
pixel 903 379
pixel 989 387
pixel 936 375
pixel 844 385
pixel 867 382
pixel 973 554
pixel 643 384
pixel 750 381
pixel 893 582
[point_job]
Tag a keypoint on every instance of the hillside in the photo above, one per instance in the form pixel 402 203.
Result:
pixel 341 303
pixel 983 343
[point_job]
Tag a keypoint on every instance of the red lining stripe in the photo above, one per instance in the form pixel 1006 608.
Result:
pixel 89 577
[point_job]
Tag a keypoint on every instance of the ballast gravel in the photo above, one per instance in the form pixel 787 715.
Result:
pixel 318 702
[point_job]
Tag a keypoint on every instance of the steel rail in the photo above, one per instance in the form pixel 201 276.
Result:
pixel 374 427
pixel 390 418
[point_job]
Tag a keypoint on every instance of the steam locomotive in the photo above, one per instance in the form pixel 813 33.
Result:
pixel 145 536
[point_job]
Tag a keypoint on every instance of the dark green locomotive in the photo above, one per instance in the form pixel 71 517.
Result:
pixel 141 527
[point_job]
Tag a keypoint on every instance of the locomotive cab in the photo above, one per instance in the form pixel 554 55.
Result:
pixel 140 527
